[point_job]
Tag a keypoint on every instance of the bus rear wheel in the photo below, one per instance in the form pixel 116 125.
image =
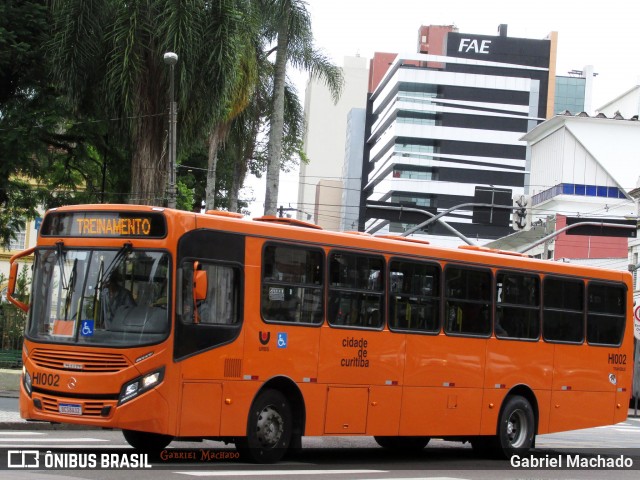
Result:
pixel 145 441
pixel 402 443
pixel 269 428
pixel 516 430
pixel 515 433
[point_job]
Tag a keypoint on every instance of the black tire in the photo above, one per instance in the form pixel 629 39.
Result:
pixel 516 428
pixel 269 428
pixel 516 431
pixel 145 441
pixel 403 443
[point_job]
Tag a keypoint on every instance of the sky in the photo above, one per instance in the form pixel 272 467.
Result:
pixel 602 34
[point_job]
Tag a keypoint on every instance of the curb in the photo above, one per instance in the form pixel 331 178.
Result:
pixel 9 394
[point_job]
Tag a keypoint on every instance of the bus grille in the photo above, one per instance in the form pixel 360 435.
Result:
pixel 89 408
pixel 233 367
pixel 79 361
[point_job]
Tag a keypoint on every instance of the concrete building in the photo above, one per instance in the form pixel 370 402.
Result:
pixel 449 120
pixel 324 144
pixel 573 92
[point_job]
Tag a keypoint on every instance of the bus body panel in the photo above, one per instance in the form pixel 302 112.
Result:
pixel 314 396
pixel 360 357
pixel 385 407
pixel 445 361
pixel 347 409
pixel 572 410
pixel 236 398
pixel 440 411
pixel 200 409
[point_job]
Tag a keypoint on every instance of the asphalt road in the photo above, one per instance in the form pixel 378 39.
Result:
pixel 328 458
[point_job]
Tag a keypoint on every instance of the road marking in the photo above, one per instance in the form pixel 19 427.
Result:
pixel 5 432
pixel 53 440
pixel 247 473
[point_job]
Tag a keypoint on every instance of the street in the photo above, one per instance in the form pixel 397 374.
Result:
pixel 329 457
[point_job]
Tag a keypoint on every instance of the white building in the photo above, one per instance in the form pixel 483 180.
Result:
pixel 626 104
pixel 585 167
pixel 324 143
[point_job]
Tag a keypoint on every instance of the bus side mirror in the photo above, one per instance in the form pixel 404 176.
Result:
pixel 200 285
pixel 13 277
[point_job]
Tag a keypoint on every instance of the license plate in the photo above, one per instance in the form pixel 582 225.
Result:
pixel 70 408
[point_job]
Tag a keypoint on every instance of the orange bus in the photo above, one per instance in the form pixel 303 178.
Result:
pixel 177 325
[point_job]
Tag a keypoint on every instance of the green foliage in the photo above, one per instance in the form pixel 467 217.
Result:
pixel 51 154
pixel 184 200
pixel 12 319
pixel 84 96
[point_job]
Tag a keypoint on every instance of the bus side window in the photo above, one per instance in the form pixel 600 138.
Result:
pixel 517 306
pixel 356 292
pixel 468 302
pixel 292 284
pixel 414 289
pixel 563 310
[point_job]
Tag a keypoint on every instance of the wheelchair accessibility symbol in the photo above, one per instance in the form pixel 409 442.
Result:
pixel 282 340
pixel 86 328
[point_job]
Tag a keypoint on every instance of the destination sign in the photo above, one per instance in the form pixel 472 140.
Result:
pixel 104 224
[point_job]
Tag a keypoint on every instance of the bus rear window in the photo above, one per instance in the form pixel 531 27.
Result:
pixel 606 317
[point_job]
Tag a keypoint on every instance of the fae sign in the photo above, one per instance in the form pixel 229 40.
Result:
pixel 636 322
pixel 474 46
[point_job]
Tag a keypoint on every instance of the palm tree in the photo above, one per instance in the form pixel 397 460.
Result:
pixel 290 26
pixel 109 56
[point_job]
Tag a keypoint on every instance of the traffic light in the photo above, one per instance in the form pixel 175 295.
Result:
pixel 521 218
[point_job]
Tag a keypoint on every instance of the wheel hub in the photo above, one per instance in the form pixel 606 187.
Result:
pixel 269 427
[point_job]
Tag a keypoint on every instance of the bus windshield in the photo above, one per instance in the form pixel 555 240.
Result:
pixel 99 297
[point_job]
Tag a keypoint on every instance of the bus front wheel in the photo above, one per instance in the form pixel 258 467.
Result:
pixel 145 441
pixel 269 428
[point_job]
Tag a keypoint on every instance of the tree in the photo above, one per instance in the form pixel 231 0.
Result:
pixel 108 57
pixel 246 149
pixel 47 159
pixel 290 27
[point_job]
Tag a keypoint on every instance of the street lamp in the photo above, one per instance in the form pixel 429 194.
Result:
pixel 171 59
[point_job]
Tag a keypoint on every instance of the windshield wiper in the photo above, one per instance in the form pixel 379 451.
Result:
pixel 71 290
pixel 60 253
pixel 126 248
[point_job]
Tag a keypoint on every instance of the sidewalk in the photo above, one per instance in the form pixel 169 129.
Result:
pixel 9 387
pixel 9 382
pixel 10 419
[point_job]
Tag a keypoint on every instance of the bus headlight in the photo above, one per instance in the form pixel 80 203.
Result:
pixel 26 380
pixel 140 385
